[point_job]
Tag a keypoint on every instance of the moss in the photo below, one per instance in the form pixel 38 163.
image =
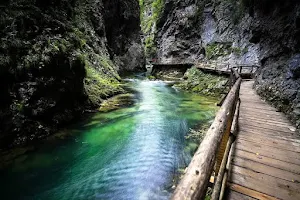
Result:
pixel 217 49
pixel 236 50
pixel 148 23
pixel 201 83
pixel 239 51
pixel 157 6
pixel 150 48
pixel 19 106
pixel 97 84
pixel 109 66
pixel 117 102
pixel 150 77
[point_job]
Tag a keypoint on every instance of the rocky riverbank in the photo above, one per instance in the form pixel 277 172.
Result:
pixel 196 81
pixel 59 58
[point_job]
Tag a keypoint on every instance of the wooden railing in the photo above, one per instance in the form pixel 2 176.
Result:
pixel 212 154
pixel 243 69
pixel 240 68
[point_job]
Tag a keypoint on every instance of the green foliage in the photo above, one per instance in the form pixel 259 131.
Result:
pixel 150 48
pixel 150 77
pixel 202 83
pixel 236 50
pixel 239 51
pixel 19 106
pixel 217 49
pixel 157 6
pixel 97 84
pixel 148 23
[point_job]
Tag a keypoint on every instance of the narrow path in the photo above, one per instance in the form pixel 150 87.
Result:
pixel 266 154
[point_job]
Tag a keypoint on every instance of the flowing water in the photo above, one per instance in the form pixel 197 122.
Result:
pixel 130 153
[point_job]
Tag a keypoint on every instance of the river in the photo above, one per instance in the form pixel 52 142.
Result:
pixel 131 153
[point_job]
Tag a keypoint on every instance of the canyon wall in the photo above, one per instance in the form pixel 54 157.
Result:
pixel 60 57
pixel 264 33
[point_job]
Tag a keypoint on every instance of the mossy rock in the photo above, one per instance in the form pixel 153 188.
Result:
pixel 217 49
pixel 201 83
pixel 116 102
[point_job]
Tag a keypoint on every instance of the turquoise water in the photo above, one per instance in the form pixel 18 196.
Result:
pixel 130 153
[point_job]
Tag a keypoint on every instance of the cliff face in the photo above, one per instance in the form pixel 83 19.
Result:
pixel 178 36
pixel 192 31
pixel 150 12
pixel 238 31
pixel 59 57
pixel 278 33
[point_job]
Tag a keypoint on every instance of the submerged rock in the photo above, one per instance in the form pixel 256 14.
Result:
pixel 116 102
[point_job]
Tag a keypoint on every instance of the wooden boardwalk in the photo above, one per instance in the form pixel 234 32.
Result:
pixel 265 158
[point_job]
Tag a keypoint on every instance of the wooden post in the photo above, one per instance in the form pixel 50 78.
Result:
pixel 194 183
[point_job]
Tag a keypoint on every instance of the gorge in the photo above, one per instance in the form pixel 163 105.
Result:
pixel 62 62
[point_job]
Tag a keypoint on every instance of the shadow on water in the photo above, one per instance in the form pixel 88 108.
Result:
pixel 130 153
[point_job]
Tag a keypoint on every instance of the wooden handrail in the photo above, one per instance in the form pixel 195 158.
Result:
pixel 194 183
pixel 218 189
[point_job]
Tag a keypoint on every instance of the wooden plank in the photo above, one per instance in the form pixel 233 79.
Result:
pixel 268 124
pixel 262 118
pixel 263 126
pixel 270 143
pixel 268 161
pixel 255 129
pixel 261 112
pixel 244 193
pixel 260 108
pixel 258 103
pixel 251 95
pixel 264 114
pixel 261 115
pixel 251 99
pixel 265 184
pixel 265 118
pixel 270 152
pixel 277 135
pixel 233 195
pixel 265 169
pixel 282 139
pixel 247 92
pixel 274 140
